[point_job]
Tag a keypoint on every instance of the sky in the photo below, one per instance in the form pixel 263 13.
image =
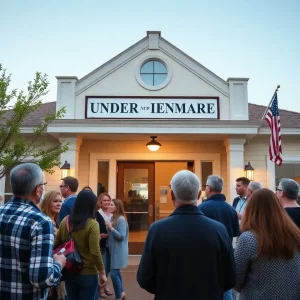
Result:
pixel 257 39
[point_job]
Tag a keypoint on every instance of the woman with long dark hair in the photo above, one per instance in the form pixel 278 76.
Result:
pixel 268 251
pixel 85 232
pixel 118 246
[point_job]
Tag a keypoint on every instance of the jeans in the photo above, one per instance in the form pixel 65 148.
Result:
pixel 116 278
pixel 227 295
pixel 83 287
pixel 103 254
pixel 107 261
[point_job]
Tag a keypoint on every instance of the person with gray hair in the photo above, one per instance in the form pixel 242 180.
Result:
pixel 253 186
pixel 216 208
pixel 287 192
pixel 177 247
pixel 28 266
pixel 185 188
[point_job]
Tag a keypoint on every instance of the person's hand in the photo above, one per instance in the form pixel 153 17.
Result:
pixel 239 216
pixel 102 279
pixel 61 259
pixel 108 224
pixel 103 235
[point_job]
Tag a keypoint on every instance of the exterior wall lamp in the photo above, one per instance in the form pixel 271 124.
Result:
pixel 249 172
pixel 65 170
pixel 153 145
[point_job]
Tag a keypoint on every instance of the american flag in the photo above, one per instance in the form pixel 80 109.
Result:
pixel 273 119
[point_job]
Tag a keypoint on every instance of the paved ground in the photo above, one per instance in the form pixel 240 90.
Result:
pixel 131 287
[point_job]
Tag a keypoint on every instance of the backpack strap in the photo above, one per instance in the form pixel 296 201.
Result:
pixel 67 224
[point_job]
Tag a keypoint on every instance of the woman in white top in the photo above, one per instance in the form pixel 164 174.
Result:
pixel 105 202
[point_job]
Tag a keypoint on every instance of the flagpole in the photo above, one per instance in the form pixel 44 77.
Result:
pixel 262 119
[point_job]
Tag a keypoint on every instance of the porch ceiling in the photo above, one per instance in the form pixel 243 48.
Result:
pixel 146 137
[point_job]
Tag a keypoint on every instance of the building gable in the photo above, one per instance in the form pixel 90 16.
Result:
pixel 185 78
pixel 146 45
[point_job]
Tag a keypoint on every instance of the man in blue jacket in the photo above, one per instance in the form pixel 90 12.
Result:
pixel 187 255
pixel 68 189
pixel 216 208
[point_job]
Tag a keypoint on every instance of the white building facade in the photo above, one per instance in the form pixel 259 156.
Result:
pixel 204 124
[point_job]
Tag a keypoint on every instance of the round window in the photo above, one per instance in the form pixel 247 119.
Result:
pixel 153 73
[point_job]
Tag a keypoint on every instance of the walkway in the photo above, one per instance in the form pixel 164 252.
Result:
pixel 131 287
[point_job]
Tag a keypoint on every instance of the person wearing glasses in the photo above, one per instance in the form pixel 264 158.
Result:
pixel 216 208
pixel 68 189
pixel 27 266
pixel 287 192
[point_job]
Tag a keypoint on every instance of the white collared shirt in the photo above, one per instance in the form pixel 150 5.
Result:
pixel 241 205
pixel 105 217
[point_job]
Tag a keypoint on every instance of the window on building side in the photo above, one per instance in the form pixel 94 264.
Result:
pixel 103 167
pixel 206 170
pixel 153 72
pixel 8 190
pixel 287 171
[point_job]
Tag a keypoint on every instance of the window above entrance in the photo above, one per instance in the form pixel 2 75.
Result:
pixel 153 73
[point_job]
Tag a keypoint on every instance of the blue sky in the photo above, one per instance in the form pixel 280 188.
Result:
pixel 259 39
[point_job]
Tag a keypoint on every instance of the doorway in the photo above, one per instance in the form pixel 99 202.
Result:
pixel 135 186
pixel 144 189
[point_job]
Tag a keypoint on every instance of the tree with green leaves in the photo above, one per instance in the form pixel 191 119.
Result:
pixel 15 108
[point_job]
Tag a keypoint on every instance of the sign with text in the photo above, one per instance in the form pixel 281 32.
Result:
pixel 152 108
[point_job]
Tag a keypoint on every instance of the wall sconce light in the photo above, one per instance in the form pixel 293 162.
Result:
pixel 249 172
pixel 65 170
pixel 153 145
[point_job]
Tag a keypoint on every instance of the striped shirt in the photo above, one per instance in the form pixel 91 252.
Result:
pixel 26 258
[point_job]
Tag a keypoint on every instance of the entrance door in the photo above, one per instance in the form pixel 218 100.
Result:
pixel 164 171
pixel 135 186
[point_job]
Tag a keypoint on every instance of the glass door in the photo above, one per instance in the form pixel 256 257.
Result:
pixel 135 187
pixel 164 171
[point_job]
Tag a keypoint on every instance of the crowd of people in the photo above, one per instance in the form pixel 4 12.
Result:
pixel 188 255
pixel 34 222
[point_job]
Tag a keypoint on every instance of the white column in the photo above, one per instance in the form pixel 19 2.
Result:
pixel 235 163
pixel 66 90
pixel 112 178
pixel 72 155
pixel 2 189
pixel 2 185
pixel 238 104
pixel 271 179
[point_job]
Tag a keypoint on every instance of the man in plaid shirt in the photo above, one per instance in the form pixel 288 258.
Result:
pixel 27 264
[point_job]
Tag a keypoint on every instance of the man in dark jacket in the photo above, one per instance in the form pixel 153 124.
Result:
pixel 218 209
pixel 187 255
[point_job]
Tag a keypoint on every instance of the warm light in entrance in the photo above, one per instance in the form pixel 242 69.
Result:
pixel 65 170
pixel 153 145
pixel 249 172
